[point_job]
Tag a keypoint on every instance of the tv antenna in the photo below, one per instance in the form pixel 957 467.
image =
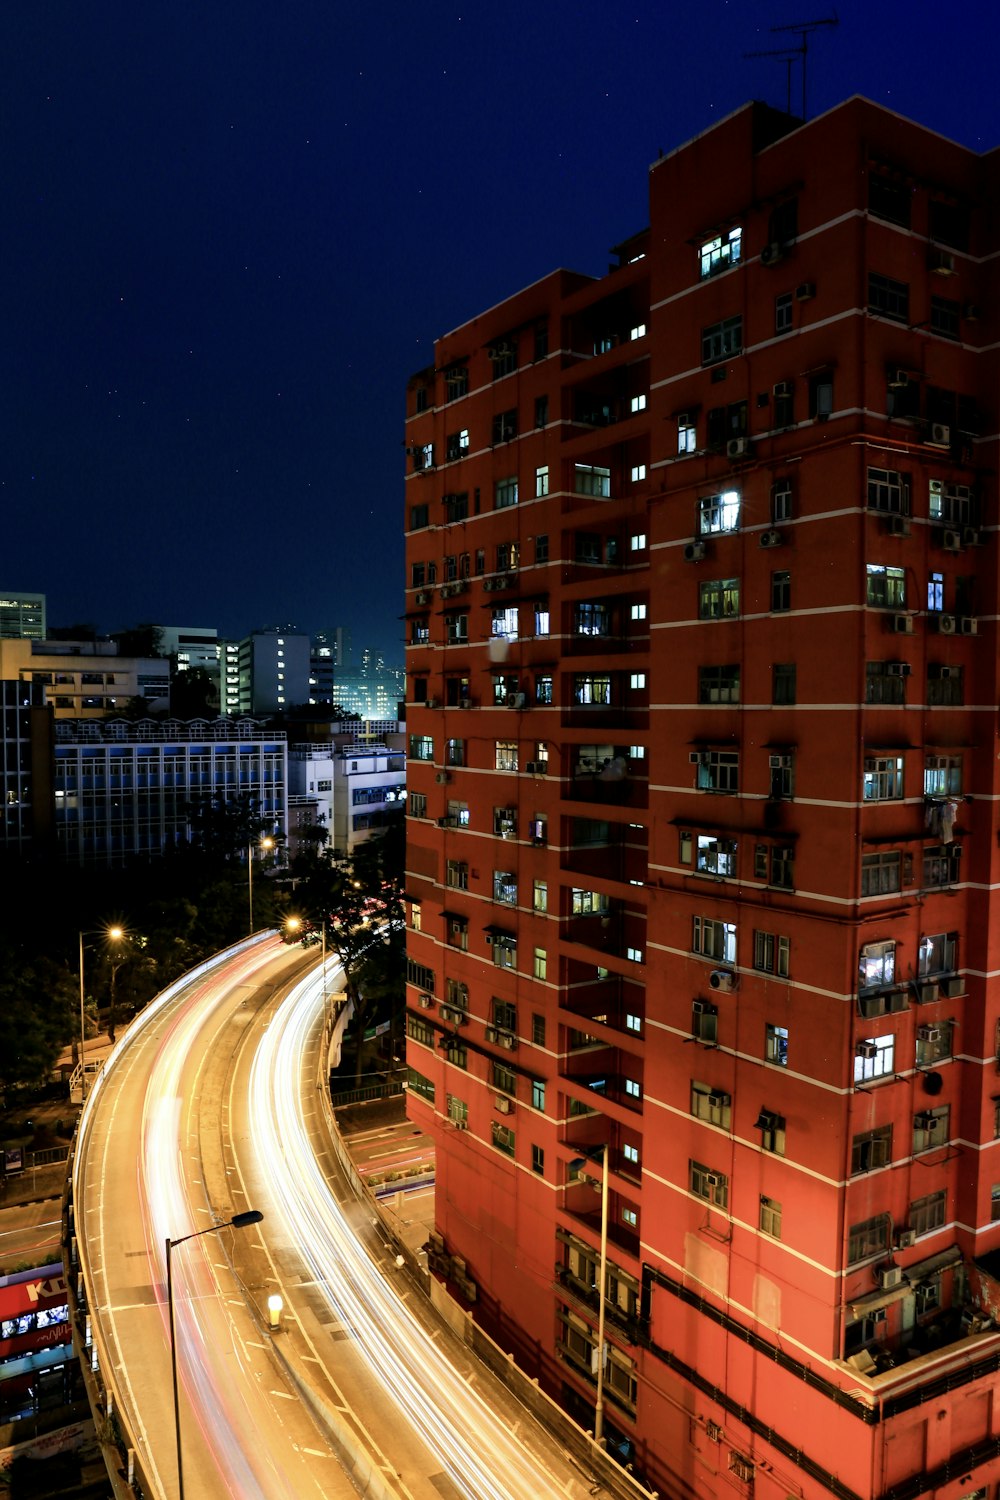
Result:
pixel 790 53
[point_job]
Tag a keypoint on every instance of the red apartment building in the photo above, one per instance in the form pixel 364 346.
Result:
pixel 703 837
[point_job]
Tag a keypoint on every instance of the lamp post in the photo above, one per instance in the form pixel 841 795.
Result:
pixel 265 844
pixel 113 935
pixel 602 1273
pixel 238 1221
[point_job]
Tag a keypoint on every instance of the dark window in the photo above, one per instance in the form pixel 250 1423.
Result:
pixel 821 394
pixel 888 297
pixel 949 223
pixel 783 223
pixel 720 340
pixel 456 382
pixel 719 684
pixel 541 340
pixel 884 683
pixel 783 313
pixel 945 317
pixel 889 199
pixel 541 549
pixel 783 682
pixel 419 516
pixel 505 426
pixel 541 411
pixel 781 591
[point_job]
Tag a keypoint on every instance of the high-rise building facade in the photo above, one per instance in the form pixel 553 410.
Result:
pixel 22 617
pixel 702 833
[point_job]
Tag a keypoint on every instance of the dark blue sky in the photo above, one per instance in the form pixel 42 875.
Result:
pixel 232 230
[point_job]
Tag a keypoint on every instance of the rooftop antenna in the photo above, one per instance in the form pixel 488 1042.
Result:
pixel 804 29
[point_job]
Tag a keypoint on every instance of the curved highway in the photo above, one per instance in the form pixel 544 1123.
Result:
pixel 212 1104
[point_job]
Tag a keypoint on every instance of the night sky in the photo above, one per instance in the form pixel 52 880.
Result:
pixel 231 232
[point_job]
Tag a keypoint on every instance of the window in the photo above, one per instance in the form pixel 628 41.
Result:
pixel 454 752
pixel 933 1044
pixel 877 966
pixel 889 492
pixel 687 434
pixel 538 1160
pixel 540 896
pixel 503 1137
pixel 710 1105
pixel 720 252
pixel 503 356
pixel 719 599
pixel 636 681
pixel 541 619
pixel 889 198
pixel 718 513
pixel 592 619
pixel 874 1059
pixel 771 953
pixel 592 688
pixel 418 805
pixel 941 864
pixel 935 592
pixel 419 1030
pixel 539 966
pixel 586 903
pixel 714 939
pixel 930 1128
pixel 886 586
pixel 943 776
pixel 945 685
pixel 719 684
pixel 951 504
pixel 456 382
pixel 505 493
pixel 705 1022
pixel 871 1149
pixel 783 305
pixel 770 1217
pixel 638 473
pixel 543 688
pixel 542 412
pixel 508 557
pixel 423 456
pixel 504 426
pixel 537 1030
pixel 421 747
pixel 504 622
pixel 420 975
pixel 505 887
pixel 889 298
pixel 821 394
pixel 457 874
pixel 638 403
pixel 637 542
pixel 588 479
pixel 782 682
pixel 634 955
pixel 504 946
pixel 457 445
pixel 880 873
pixel 772 1132
pixel 542 554
pixel 633 1023
pixel 938 954
pixel 505 755
pixel 720 340
pixel 781 591
pixel 945 317
pixel 885 681
pixel 633 1088
pixel 929 1212
pixel 716 856
pixel 883 778
pixel 456 629
pixel 775 865
pixel 460 812
pixel 419 517
pixel 718 771
pixel 712 1186
pixel 542 480
pixel 776 1044
pixel 869 1237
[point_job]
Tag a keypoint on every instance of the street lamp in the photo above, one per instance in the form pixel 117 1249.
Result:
pixel 264 846
pixel 113 935
pixel 238 1221
pixel 575 1165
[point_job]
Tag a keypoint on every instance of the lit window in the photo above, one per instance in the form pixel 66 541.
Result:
pixel 638 403
pixel 637 680
pixel 721 251
pixel 637 332
pixel 718 513
pixel 638 612
pixel 637 542
pixel 542 480
pixel 638 473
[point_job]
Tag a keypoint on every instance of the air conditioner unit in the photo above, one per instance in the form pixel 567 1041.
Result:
pixel 771 539
pixel 952 987
pixel 928 1033
pixel 970 536
pixel 503 1106
pixel 492 1035
pixel 779 762
pixel 942 263
pixel 897 525
pixel 737 448
pixel 431 703
pixel 536 767
pixel 772 253
pixel 716 1101
pixel 426 1001
pixel 508 1042
pixel 866 1050
pixel 926 992
pixel 970 312
pixel 926 1121
pixel 902 624
pixel 461 1124
pixel 465 702
pixel 703 1008
pixel 890 1277
pixel 783 388
pixel 944 624
pixel 939 435
pixel 968 626
pixel 905 1238
pixel 805 291
pixel 489 584
pixel 442 778
pixel 724 980
pixel 712 1179
pixel 423 598
pixel 898 668
pixel 694 552
pixel 500 351
pixel 517 700
pixel 897 379
pixel 951 541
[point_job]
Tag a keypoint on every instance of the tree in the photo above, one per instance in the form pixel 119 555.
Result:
pixel 193 694
pixel 140 640
pixel 37 1006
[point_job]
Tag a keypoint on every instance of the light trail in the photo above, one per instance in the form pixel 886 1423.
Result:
pixel 483 1459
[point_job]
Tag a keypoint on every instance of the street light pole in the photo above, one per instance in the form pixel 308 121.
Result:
pixel 114 935
pixel 238 1221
